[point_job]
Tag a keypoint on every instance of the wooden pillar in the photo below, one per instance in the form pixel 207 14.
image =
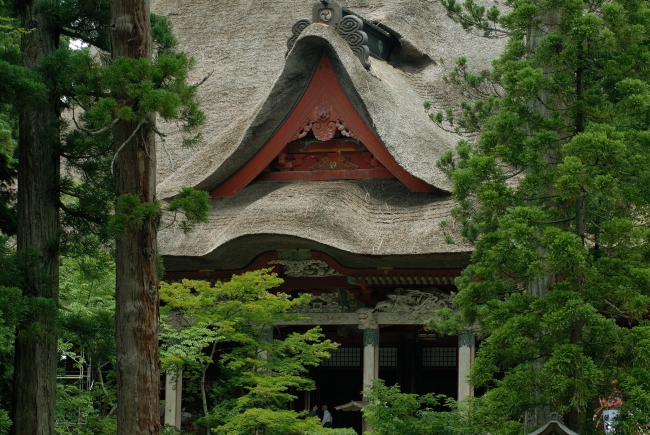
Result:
pixel 465 360
pixel 370 362
pixel 370 356
pixel 173 398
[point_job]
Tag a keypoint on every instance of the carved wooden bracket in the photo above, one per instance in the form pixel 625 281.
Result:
pixel 333 161
pixel 324 122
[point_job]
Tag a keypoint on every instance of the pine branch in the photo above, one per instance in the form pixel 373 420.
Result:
pixel 203 80
pixel 164 143
pixel 76 35
pixel 79 214
pixel 90 132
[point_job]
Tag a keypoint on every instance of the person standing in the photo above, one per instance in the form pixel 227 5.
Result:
pixel 314 411
pixel 327 417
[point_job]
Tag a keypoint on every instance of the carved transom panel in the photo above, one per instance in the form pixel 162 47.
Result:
pixel 414 301
pixel 306 268
pixel 336 301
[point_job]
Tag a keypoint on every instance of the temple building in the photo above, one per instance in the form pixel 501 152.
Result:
pixel 321 163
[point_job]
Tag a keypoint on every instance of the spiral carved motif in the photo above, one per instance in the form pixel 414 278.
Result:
pixel 351 29
pixel 296 30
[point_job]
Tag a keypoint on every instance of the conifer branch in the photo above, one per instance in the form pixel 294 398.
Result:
pixel 203 80
pixel 164 144
pixel 79 214
pixel 123 145
pixel 569 219
pixel 76 35
pixel 90 132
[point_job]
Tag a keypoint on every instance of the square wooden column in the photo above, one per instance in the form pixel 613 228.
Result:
pixel 368 323
pixel 173 396
pixel 370 356
pixel 465 360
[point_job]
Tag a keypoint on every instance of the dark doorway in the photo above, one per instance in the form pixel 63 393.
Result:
pixel 337 387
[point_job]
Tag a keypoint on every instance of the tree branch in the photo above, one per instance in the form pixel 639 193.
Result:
pixel 123 145
pixel 94 133
pixel 79 214
pixel 164 143
pixel 203 80
pixel 556 222
pixel 81 37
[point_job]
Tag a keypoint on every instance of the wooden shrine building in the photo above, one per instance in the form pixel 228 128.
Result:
pixel 321 164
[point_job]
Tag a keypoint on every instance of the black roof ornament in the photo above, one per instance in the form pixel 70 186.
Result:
pixel 363 37
pixel 554 426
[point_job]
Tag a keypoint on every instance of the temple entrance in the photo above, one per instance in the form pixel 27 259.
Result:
pixel 418 361
pixel 338 386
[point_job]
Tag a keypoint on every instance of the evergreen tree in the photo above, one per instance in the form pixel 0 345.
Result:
pixel 37 234
pixel 54 79
pixel 554 193
pixel 136 314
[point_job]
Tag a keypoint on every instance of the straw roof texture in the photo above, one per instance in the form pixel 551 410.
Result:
pixel 253 88
pixel 377 218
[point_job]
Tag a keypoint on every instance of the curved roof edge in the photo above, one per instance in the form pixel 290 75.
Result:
pixel 362 217
pixel 382 97
pixel 240 252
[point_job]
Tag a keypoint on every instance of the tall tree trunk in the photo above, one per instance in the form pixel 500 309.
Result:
pixel 539 287
pixel 136 313
pixel 38 240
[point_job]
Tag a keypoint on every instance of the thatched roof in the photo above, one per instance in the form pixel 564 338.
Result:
pixel 377 218
pixel 253 87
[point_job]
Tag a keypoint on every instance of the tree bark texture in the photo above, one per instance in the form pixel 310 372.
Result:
pixel 540 286
pixel 35 357
pixel 136 313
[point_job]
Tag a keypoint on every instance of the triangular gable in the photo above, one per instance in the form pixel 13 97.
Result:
pixel 323 138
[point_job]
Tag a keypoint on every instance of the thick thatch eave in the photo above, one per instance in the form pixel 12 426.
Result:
pixel 379 218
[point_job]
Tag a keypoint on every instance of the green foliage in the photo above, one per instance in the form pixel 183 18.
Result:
pixel 475 16
pixel 5 422
pixel 168 429
pixel 19 88
pixel 228 324
pixel 393 412
pixel 555 193
pixel 87 338
pixel 275 422
pixel 79 19
pixel 101 93
pixel 131 210
pixel 194 204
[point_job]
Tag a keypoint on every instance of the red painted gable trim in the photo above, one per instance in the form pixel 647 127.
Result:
pixel 323 83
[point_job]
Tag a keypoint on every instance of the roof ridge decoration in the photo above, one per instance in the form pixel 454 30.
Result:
pixel 342 146
pixel 349 26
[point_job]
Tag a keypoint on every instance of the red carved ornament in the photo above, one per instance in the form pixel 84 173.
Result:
pixel 324 138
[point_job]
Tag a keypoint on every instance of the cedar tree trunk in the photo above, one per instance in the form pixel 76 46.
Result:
pixel 35 360
pixel 136 312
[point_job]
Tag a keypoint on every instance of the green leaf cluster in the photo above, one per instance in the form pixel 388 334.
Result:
pixel 228 324
pixel 194 204
pixel 392 412
pixel 86 336
pixel 131 210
